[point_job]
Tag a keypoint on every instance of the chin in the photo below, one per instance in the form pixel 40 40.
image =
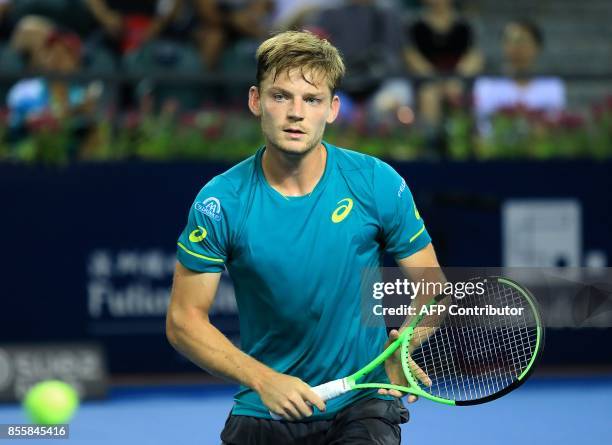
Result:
pixel 296 148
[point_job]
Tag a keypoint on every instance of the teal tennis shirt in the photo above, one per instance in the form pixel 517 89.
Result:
pixel 297 264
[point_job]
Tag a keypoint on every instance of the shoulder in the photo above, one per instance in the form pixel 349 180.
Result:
pixel 240 175
pixel 235 179
pixel 359 166
pixel 492 86
pixel 489 82
pixel 350 160
pixel 25 90
pixel 549 83
pixel 228 187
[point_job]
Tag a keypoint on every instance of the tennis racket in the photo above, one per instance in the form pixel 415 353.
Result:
pixel 457 357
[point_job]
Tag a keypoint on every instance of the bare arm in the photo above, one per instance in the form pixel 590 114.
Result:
pixel 471 63
pixel 163 18
pixel 421 265
pixel 109 19
pixel 424 265
pixel 208 12
pixel 417 63
pixel 189 330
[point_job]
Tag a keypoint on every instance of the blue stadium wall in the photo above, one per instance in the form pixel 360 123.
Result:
pixel 87 249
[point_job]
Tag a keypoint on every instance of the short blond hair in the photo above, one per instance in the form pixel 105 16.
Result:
pixel 300 50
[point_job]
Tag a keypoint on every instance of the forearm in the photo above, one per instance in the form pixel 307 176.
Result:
pixel 470 64
pixel 423 267
pixel 98 8
pixel 195 337
pixel 417 63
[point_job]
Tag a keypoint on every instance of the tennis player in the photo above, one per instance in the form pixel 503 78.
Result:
pixel 295 225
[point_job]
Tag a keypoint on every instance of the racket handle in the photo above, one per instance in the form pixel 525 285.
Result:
pixel 326 391
pixel 331 390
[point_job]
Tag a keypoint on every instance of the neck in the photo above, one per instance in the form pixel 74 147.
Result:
pixel 519 74
pixel 294 175
pixel 440 16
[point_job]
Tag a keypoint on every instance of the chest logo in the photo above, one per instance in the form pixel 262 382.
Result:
pixel 198 235
pixel 342 211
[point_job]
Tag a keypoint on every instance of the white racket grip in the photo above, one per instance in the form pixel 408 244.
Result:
pixel 326 391
pixel 333 389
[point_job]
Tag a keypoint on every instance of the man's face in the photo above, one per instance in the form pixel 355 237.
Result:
pixel 520 48
pixel 293 112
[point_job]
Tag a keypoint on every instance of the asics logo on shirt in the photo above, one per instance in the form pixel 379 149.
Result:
pixel 342 211
pixel 198 235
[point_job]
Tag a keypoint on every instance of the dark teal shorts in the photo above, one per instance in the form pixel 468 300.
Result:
pixel 369 421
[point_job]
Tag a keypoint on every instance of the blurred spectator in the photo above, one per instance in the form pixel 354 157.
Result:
pixel 226 21
pixel 371 42
pixel 294 14
pixel 29 39
pixel 442 44
pixel 183 23
pixel 520 88
pixel 33 100
pixel 369 36
pixel 6 21
pixel 127 25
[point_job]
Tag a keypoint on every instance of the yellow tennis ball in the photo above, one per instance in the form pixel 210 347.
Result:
pixel 51 402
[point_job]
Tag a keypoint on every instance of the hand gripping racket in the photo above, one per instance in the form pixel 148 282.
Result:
pixel 472 351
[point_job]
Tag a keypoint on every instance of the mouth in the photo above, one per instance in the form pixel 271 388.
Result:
pixel 293 131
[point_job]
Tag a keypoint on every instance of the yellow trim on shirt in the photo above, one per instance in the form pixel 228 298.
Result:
pixel 197 255
pixel 417 234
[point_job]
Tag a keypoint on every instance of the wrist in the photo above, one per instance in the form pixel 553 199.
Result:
pixel 260 378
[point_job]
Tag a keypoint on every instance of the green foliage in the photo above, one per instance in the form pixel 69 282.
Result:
pixel 210 134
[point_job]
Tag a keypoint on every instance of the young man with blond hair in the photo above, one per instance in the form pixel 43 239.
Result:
pixel 295 225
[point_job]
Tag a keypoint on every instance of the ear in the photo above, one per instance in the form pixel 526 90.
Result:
pixel 254 101
pixel 334 109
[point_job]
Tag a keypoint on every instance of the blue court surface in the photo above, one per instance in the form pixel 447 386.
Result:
pixel 546 410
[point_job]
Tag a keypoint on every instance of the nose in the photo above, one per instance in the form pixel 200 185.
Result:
pixel 296 110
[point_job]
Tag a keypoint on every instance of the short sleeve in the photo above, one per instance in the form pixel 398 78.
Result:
pixel 556 94
pixel 403 229
pixel 203 245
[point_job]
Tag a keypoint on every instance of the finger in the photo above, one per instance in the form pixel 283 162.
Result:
pixel 314 399
pixel 391 392
pixel 302 407
pixel 396 393
pixel 289 412
pixel 412 398
pixel 393 335
pixel 419 373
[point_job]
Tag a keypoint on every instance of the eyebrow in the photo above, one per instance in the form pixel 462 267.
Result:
pixel 276 89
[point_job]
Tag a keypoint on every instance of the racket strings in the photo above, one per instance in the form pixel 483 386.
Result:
pixel 469 357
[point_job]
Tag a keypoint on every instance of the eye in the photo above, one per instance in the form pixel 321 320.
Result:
pixel 278 97
pixel 313 100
